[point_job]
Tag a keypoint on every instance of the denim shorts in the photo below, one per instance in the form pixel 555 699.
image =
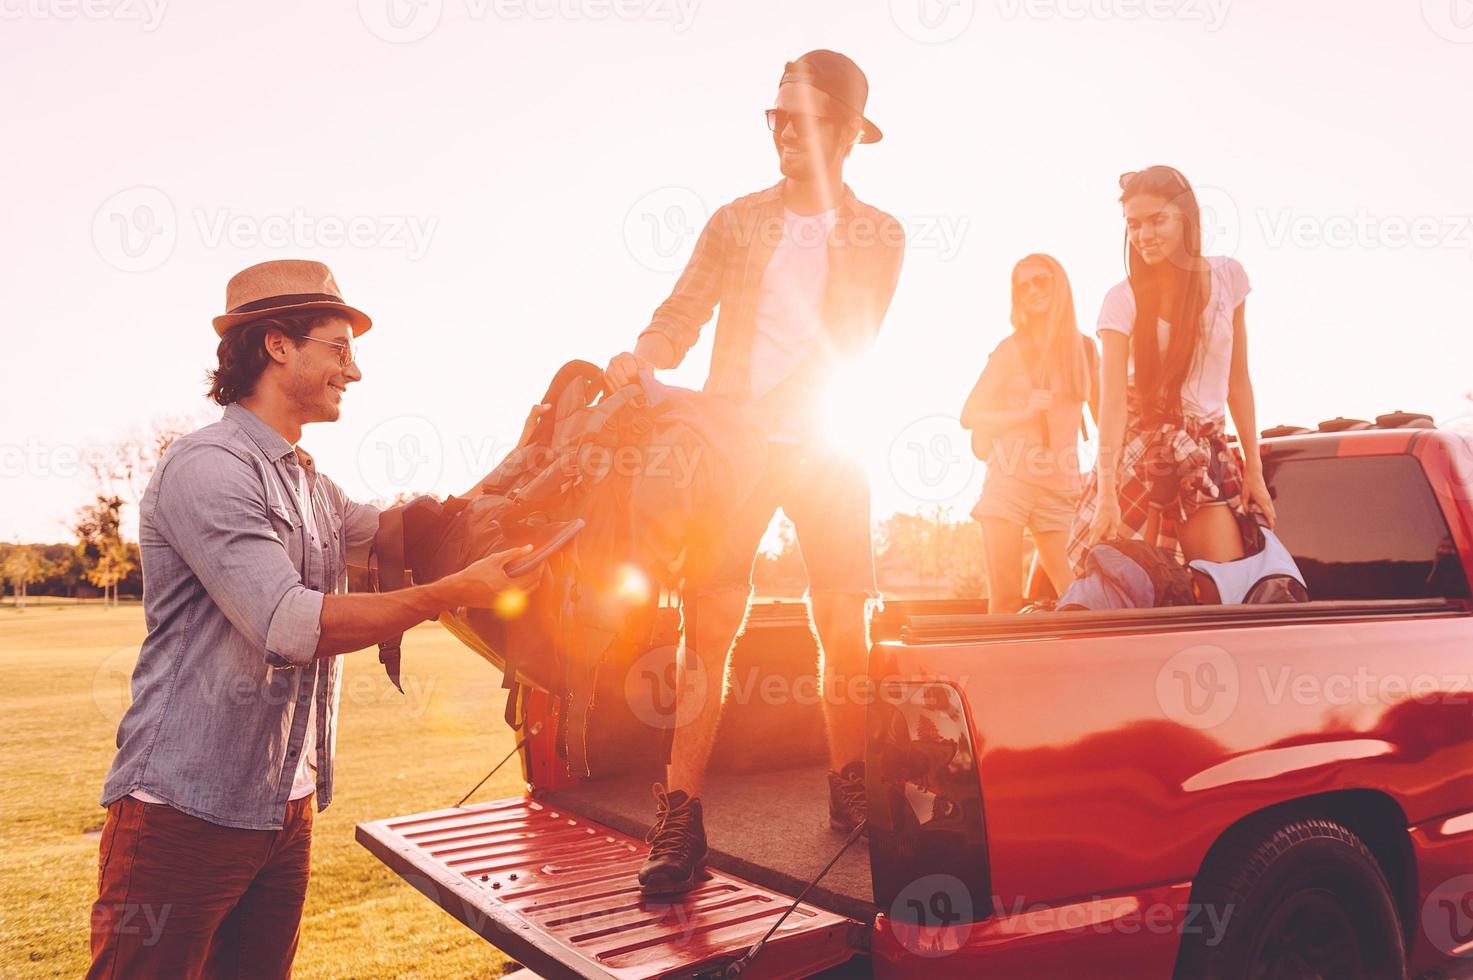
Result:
pixel 1037 508
pixel 825 495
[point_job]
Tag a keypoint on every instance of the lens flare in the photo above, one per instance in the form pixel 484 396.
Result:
pixel 633 586
pixel 847 410
pixel 510 603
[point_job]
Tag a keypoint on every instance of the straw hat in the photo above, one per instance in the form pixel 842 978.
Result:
pixel 285 286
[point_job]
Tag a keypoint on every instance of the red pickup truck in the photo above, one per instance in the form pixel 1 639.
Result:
pixel 1225 791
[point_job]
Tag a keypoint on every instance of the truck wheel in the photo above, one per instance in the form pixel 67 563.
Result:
pixel 1292 900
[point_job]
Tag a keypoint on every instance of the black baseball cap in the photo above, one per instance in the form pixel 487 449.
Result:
pixel 839 78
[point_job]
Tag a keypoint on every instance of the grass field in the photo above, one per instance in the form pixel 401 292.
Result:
pixel 66 669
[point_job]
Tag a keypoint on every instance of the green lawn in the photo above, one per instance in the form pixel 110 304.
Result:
pixel 66 670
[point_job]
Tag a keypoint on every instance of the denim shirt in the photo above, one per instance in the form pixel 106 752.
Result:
pixel 232 599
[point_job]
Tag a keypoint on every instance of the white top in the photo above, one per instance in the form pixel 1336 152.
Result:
pixel 1235 579
pixel 1205 391
pixel 789 310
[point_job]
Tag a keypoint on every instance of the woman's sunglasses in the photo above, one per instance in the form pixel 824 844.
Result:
pixel 1129 177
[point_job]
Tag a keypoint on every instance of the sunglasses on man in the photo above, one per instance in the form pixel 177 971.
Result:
pixel 346 353
pixel 803 122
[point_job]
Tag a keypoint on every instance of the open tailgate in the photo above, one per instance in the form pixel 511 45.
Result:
pixel 559 894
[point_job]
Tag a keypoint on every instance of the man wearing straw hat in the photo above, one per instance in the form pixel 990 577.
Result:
pixel 204 857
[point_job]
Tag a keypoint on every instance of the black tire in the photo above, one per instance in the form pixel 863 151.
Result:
pixel 1291 898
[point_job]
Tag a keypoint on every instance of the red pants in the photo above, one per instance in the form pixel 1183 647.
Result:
pixel 178 896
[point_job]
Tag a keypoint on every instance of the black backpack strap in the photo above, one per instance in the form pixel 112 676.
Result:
pixel 415 524
pixel 388 549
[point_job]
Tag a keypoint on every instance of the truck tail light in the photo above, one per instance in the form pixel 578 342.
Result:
pixel 928 838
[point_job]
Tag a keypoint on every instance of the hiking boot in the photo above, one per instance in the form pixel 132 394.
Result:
pixel 848 806
pixel 677 845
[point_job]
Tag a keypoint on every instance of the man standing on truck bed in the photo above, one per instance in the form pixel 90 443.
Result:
pixel 803 272
pixel 233 724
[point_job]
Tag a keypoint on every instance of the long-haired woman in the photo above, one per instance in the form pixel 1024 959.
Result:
pixel 1175 362
pixel 1025 412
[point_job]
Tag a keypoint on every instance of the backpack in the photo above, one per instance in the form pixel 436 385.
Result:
pixel 1125 573
pixel 983 441
pixel 640 467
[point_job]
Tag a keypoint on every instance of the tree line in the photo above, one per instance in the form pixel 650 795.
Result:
pixel 99 557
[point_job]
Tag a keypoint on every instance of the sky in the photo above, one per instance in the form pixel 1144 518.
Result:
pixel 505 185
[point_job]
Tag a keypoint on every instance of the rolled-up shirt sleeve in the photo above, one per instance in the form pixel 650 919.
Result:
pixel 213 511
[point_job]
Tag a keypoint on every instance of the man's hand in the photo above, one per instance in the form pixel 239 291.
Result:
pixel 624 370
pixel 479 583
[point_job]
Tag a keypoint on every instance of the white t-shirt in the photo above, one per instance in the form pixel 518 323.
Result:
pixel 789 312
pixel 1205 391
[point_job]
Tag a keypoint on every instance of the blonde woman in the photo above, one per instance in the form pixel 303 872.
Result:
pixel 1026 416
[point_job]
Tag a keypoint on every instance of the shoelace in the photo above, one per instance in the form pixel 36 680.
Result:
pixel 673 832
pixel 851 792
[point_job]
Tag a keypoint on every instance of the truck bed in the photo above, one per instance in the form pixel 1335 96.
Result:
pixel 770 828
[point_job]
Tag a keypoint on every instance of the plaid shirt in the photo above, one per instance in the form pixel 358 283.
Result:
pixel 865 250
pixel 1184 464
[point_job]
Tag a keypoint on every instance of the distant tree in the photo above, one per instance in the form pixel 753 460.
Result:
pixel 22 565
pixel 100 547
pixel 934 552
pixel 114 563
